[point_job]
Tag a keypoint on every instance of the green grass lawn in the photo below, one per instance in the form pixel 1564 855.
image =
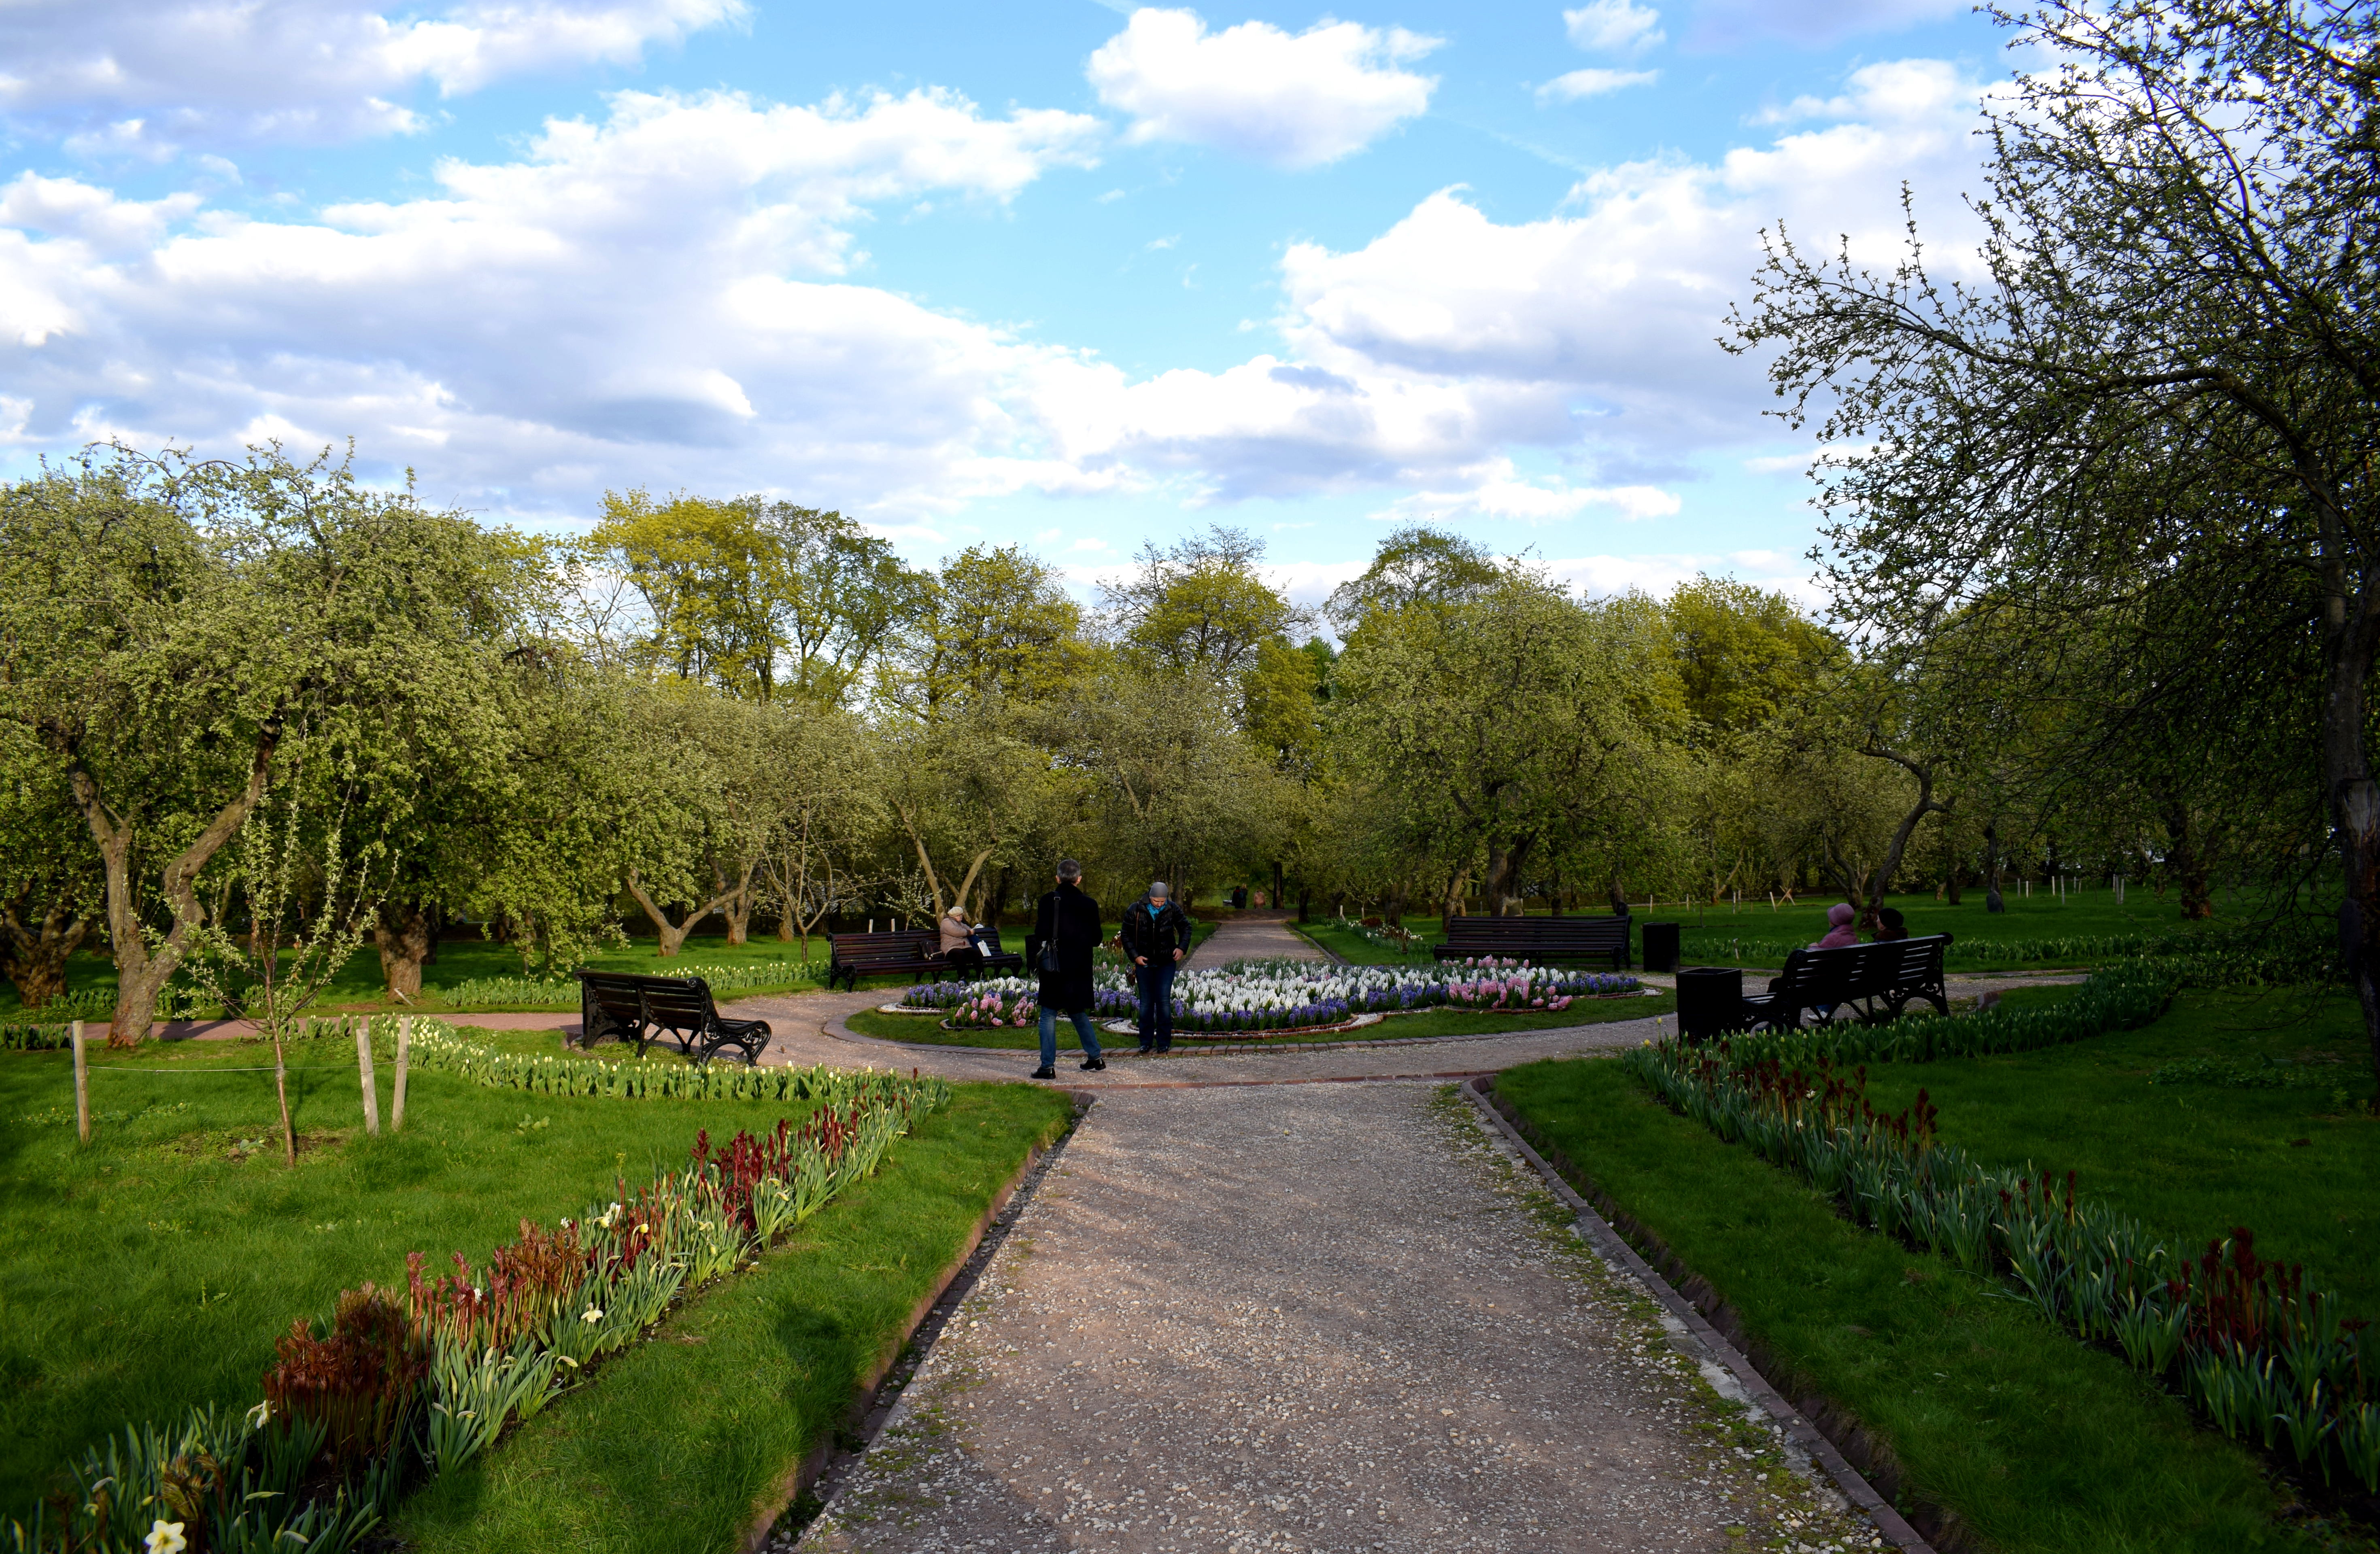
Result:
pixel 671 1449
pixel 358 988
pixel 1710 934
pixel 1424 1023
pixel 2039 1443
pixel 2193 1161
pixel 153 1270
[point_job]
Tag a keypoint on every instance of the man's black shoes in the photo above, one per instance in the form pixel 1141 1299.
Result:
pixel 1093 1065
pixel 1045 1073
pixel 1145 1050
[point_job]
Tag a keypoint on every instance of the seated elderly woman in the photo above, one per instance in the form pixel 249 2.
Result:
pixel 1841 926
pixel 955 934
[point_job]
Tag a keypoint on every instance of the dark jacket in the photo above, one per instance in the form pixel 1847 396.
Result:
pixel 1156 937
pixel 1071 920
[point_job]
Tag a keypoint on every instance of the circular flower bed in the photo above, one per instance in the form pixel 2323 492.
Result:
pixel 1287 995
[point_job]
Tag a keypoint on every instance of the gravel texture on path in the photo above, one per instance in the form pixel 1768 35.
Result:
pixel 1255 938
pixel 1313 1318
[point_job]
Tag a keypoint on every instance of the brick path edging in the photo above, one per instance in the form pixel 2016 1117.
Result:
pixel 1829 1434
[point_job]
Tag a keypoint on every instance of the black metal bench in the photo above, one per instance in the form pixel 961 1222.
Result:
pixel 1538 939
pixel 1875 982
pixel 908 953
pixel 645 1009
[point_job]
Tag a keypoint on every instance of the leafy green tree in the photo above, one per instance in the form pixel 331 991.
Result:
pixel 759 599
pixel 2160 404
pixel 52 891
pixel 997 631
pixel 171 621
pixel 1200 608
pixel 1507 721
pixel 1745 655
pixel 1175 791
pixel 1415 566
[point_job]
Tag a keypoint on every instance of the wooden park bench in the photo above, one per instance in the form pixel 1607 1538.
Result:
pixel 906 953
pixel 1538 939
pixel 645 1009
pixel 1875 982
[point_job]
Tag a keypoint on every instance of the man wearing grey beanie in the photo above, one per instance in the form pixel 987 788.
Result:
pixel 1155 937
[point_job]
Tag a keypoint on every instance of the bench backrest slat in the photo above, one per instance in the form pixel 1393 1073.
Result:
pixel 628 996
pixel 1856 970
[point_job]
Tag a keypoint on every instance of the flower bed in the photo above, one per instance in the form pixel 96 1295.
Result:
pixel 1287 995
pixel 402 1384
pixel 2269 1359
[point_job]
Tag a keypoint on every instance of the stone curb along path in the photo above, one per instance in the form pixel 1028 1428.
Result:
pixel 1698 1339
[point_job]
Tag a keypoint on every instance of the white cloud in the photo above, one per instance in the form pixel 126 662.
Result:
pixel 1496 490
pixel 1614 27
pixel 1601 576
pixel 1593 83
pixel 1897 91
pixel 1421 357
pixel 144 78
pixel 657 298
pixel 673 295
pixel 1292 101
pixel 1799 463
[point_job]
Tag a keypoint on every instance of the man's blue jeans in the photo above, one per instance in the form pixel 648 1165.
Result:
pixel 1050 1036
pixel 1157 1003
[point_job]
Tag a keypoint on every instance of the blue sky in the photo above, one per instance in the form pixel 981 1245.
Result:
pixel 1064 272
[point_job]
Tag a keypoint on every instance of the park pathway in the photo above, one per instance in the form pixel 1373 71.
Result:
pixel 1309 1317
pixel 1255 936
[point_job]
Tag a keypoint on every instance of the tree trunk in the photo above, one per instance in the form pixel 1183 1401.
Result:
pixel 1502 883
pixel 1456 883
pixel 1619 897
pixel 1993 900
pixel 1882 878
pixel 2354 798
pixel 35 959
pixel 2188 863
pixel 403 934
pixel 738 905
pixel 672 935
pixel 141 973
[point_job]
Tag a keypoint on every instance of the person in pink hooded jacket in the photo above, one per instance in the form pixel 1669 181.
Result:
pixel 1841 926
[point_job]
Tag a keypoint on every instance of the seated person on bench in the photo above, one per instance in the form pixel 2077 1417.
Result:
pixel 957 937
pixel 1842 929
pixel 1891 925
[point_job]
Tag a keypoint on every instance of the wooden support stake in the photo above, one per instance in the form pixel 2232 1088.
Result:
pixel 404 1052
pixel 363 1063
pixel 82 1084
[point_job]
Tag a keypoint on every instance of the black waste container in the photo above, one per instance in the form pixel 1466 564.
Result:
pixel 1710 1001
pixel 1660 946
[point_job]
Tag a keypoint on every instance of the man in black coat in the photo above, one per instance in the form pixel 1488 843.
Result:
pixel 1066 938
pixel 1155 937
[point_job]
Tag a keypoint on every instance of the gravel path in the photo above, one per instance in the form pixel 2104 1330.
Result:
pixel 1256 938
pixel 1312 1317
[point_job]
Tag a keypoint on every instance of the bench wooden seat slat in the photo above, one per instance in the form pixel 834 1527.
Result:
pixel 1875 982
pixel 906 952
pixel 1537 939
pixel 644 1009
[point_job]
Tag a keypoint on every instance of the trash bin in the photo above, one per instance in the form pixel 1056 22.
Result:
pixel 1661 946
pixel 1710 1001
